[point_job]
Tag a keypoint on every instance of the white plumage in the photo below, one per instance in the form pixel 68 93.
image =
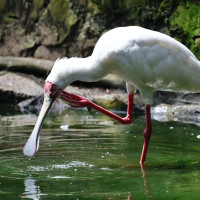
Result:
pixel 145 59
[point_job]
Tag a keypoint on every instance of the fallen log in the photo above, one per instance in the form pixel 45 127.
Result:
pixel 29 65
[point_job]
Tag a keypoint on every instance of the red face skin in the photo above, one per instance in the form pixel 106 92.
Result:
pixel 52 90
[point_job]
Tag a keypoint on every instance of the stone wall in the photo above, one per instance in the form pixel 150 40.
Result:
pixel 56 28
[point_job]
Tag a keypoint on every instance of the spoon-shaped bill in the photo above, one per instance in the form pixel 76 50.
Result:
pixel 32 145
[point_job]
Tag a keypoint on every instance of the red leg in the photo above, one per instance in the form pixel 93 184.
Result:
pixel 147 133
pixel 126 120
pixel 83 102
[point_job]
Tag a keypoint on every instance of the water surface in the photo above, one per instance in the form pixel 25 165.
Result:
pixel 85 155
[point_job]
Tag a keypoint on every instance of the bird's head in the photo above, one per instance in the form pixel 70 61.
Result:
pixel 51 92
pixel 54 84
pixel 64 72
pixel 60 77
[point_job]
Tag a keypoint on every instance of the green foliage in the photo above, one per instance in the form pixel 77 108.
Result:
pixel 187 18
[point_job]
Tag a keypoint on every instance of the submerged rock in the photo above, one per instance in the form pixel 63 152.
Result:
pixel 184 113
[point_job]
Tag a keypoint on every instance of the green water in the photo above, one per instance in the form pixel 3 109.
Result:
pixel 85 155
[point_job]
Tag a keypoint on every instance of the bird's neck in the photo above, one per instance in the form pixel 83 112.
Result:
pixel 66 71
pixel 87 69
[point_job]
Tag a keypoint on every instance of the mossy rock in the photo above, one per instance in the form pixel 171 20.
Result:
pixel 111 103
pixel 8 11
pixel 99 6
pixel 113 6
pixel 38 7
pixel 57 20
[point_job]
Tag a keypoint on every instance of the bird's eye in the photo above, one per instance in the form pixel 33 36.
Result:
pixel 54 89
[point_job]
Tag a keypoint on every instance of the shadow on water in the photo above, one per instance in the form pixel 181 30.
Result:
pixel 85 155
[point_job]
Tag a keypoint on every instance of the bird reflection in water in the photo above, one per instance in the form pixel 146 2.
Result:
pixel 32 190
pixel 146 183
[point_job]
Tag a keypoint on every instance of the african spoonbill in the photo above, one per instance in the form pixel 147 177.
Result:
pixel 146 60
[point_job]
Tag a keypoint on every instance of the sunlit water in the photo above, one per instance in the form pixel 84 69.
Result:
pixel 85 155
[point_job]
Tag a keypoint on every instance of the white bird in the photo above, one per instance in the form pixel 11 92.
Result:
pixel 146 60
